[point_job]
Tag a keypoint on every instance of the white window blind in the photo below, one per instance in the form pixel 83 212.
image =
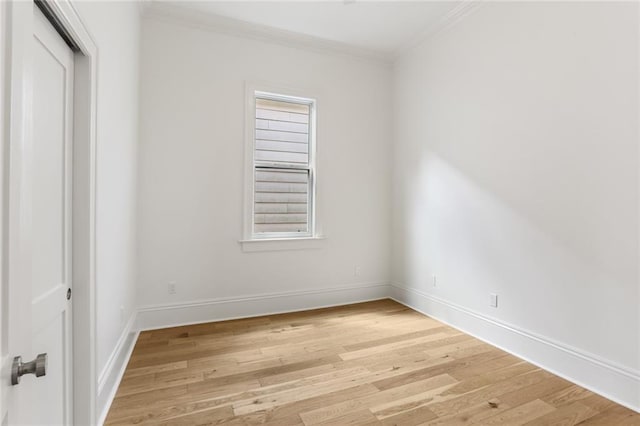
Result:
pixel 283 166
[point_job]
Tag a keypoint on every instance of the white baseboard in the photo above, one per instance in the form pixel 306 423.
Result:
pixel 112 373
pixel 615 382
pixel 171 315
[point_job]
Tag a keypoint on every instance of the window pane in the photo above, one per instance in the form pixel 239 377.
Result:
pixel 281 200
pixel 281 132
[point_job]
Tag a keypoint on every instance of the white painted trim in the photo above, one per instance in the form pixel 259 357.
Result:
pixel 275 244
pixel 315 237
pixel 185 313
pixel 457 14
pixel 609 379
pixel 113 371
pixel 186 16
pixel 638 193
pixel 84 212
pixel 220 24
pixel 20 19
pixel 108 369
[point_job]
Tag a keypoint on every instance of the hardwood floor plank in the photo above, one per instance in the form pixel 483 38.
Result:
pixel 362 417
pixel 218 415
pixel 567 415
pixel 451 367
pixel 368 363
pixel 471 415
pixel 310 404
pixel 265 372
pixel 409 403
pixel 396 338
pixel 297 374
pixel 354 377
pixel 521 414
pixel 496 376
pixel 478 365
pixel 566 396
pixel 536 391
pixel 616 415
pixel 410 418
pixel 134 372
pixel 133 402
pixel 422 391
pixel 598 403
pixel 416 342
pixel 181 377
pixel 454 403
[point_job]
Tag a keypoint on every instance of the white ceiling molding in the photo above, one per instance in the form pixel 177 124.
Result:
pixel 234 27
pixel 464 9
pixel 174 12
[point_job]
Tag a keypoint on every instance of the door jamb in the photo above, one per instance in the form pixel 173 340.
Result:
pixel 84 212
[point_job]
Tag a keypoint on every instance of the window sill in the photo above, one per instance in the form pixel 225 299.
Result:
pixel 275 244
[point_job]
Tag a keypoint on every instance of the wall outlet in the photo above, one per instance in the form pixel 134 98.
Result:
pixel 493 300
pixel 121 314
pixel 171 288
pixel 357 271
pixel 434 280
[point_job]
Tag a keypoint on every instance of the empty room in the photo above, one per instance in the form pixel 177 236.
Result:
pixel 306 213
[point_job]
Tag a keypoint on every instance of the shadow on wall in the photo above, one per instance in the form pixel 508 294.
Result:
pixel 516 170
pixel 476 244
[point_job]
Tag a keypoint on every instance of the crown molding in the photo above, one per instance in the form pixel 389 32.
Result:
pixel 172 12
pixel 453 17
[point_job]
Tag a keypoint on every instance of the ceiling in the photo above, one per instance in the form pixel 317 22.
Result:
pixel 384 27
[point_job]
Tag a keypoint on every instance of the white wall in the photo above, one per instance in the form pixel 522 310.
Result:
pixel 190 206
pixel 117 135
pixel 516 171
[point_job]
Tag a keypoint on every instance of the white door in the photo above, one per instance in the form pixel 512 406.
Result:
pixel 47 164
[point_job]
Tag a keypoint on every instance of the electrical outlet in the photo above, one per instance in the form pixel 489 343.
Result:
pixel 434 280
pixel 493 300
pixel 171 288
pixel 121 314
pixel 357 271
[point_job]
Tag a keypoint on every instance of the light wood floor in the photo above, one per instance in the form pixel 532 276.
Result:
pixel 368 363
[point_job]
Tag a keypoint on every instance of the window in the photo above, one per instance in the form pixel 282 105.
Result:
pixel 283 166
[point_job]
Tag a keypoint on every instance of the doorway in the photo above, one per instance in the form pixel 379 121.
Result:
pixel 47 303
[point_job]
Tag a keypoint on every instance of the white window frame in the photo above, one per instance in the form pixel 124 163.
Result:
pixel 286 240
